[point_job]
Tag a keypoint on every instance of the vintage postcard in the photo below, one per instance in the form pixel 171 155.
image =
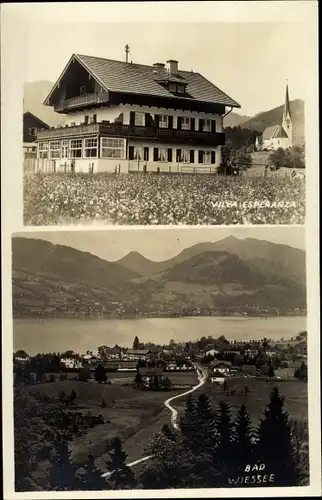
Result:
pixel 160 250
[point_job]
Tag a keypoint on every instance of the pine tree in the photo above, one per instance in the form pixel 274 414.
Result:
pixel 62 476
pixel 138 380
pixel 100 374
pixel 224 429
pixel 188 422
pixel 168 432
pixel 275 443
pixel 136 343
pixel 243 445
pixel 121 476
pixel 91 477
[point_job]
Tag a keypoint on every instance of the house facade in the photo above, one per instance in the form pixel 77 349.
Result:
pixel 124 117
pixel 31 126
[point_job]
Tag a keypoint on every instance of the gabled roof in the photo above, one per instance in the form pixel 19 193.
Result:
pixel 274 132
pixel 138 351
pixel 119 76
pixel 217 362
pixel 26 112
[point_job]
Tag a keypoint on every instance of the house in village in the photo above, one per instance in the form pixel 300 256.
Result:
pixel 148 372
pixel 137 354
pixel 218 370
pixel 31 126
pixel 279 135
pixel 128 117
pixel 71 363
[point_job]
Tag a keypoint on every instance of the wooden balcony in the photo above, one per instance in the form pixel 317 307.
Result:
pixel 135 132
pixel 81 101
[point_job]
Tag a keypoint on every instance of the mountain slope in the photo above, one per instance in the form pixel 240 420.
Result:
pixel 274 117
pixel 235 119
pixel 283 259
pixel 41 258
pixel 34 95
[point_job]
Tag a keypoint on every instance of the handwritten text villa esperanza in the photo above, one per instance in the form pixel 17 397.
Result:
pixel 254 204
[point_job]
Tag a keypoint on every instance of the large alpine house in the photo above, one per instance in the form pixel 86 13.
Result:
pixel 126 117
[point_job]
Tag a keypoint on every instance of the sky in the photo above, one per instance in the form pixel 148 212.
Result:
pixel 250 61
pixel 162 244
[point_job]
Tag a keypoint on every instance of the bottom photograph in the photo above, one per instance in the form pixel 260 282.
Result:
pixel 160 359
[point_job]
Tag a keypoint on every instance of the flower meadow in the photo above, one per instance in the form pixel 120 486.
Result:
pixel 162 199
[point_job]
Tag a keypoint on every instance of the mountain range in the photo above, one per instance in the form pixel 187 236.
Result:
pixel 231 273
pixel 36 92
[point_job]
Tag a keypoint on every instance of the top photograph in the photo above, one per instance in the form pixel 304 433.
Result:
pixel 154 124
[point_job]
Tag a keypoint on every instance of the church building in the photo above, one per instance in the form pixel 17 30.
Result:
pixel 280 136
pixel 126 117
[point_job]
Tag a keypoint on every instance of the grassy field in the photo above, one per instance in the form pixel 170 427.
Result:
pixel 134 415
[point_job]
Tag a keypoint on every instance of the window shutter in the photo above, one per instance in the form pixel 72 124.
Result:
pixel 146 154
pixel 200 153
pixel 148 119
pixel 213 126
pixel 95 118
pixel 200 124
pixel 179 126
pixel 85 119
pixel 192 124
pixel 132 118
pixel 170 122
pixel 213 156
pixel 157 119
pixel 178 155
pixel 131 152
pixel 155 154
pixel 170 155
pixel 192 156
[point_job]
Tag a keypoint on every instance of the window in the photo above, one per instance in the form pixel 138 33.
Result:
pixel 185 123
pixel 138 153
pixel 139 119
pixel 43 150
pixel 90 147
pixel 32 131
pixel 112 147
pixel 180 88
pixel 54 150
pixel 207 125
pixel 64 149
pixel 205 157
pixel 163 121
pixel 163 154
pixel 76 146
pixel 185 156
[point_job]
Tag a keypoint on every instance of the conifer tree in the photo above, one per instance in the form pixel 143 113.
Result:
pixel 188 422
pixel 91 477
pixel 275 442
pixel 243 445
pixel 224 430
pixel 121 476
pixel 62 476
pixel 136 343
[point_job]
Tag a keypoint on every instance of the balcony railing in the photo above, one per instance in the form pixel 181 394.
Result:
pixel 82 101
pixel 151 133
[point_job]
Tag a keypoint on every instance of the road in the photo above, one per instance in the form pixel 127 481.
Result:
pixel 174 413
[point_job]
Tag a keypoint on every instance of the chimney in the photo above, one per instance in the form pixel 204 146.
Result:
pixel 158 66
pixel 173 66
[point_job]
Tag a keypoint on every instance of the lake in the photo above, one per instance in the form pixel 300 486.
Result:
pixel 80 335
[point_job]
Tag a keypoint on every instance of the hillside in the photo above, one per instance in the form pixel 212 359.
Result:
pixel 232 274
pixel 288 261
pixel 235 119
pixel 43 259
pixel 34 95
pixel 274 117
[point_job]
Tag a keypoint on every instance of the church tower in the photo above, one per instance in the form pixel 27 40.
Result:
pixel 287 118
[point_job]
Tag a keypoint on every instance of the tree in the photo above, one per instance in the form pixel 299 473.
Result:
pixel 277 158
pixel 154 383
pixel 91 477
pixel 301 372
pixel 100 374
pixel 224 429
pixel 138 380
pixel 275 443
pixel 166 383
pixel 62 476
pixel 84 373
pixel 243 445
pixel 136 343
pixel 121 476
pixel 189 422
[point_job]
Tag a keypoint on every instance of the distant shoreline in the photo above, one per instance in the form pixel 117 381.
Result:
pixel 131 318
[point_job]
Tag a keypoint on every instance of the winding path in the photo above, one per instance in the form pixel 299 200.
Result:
pixel 174 413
